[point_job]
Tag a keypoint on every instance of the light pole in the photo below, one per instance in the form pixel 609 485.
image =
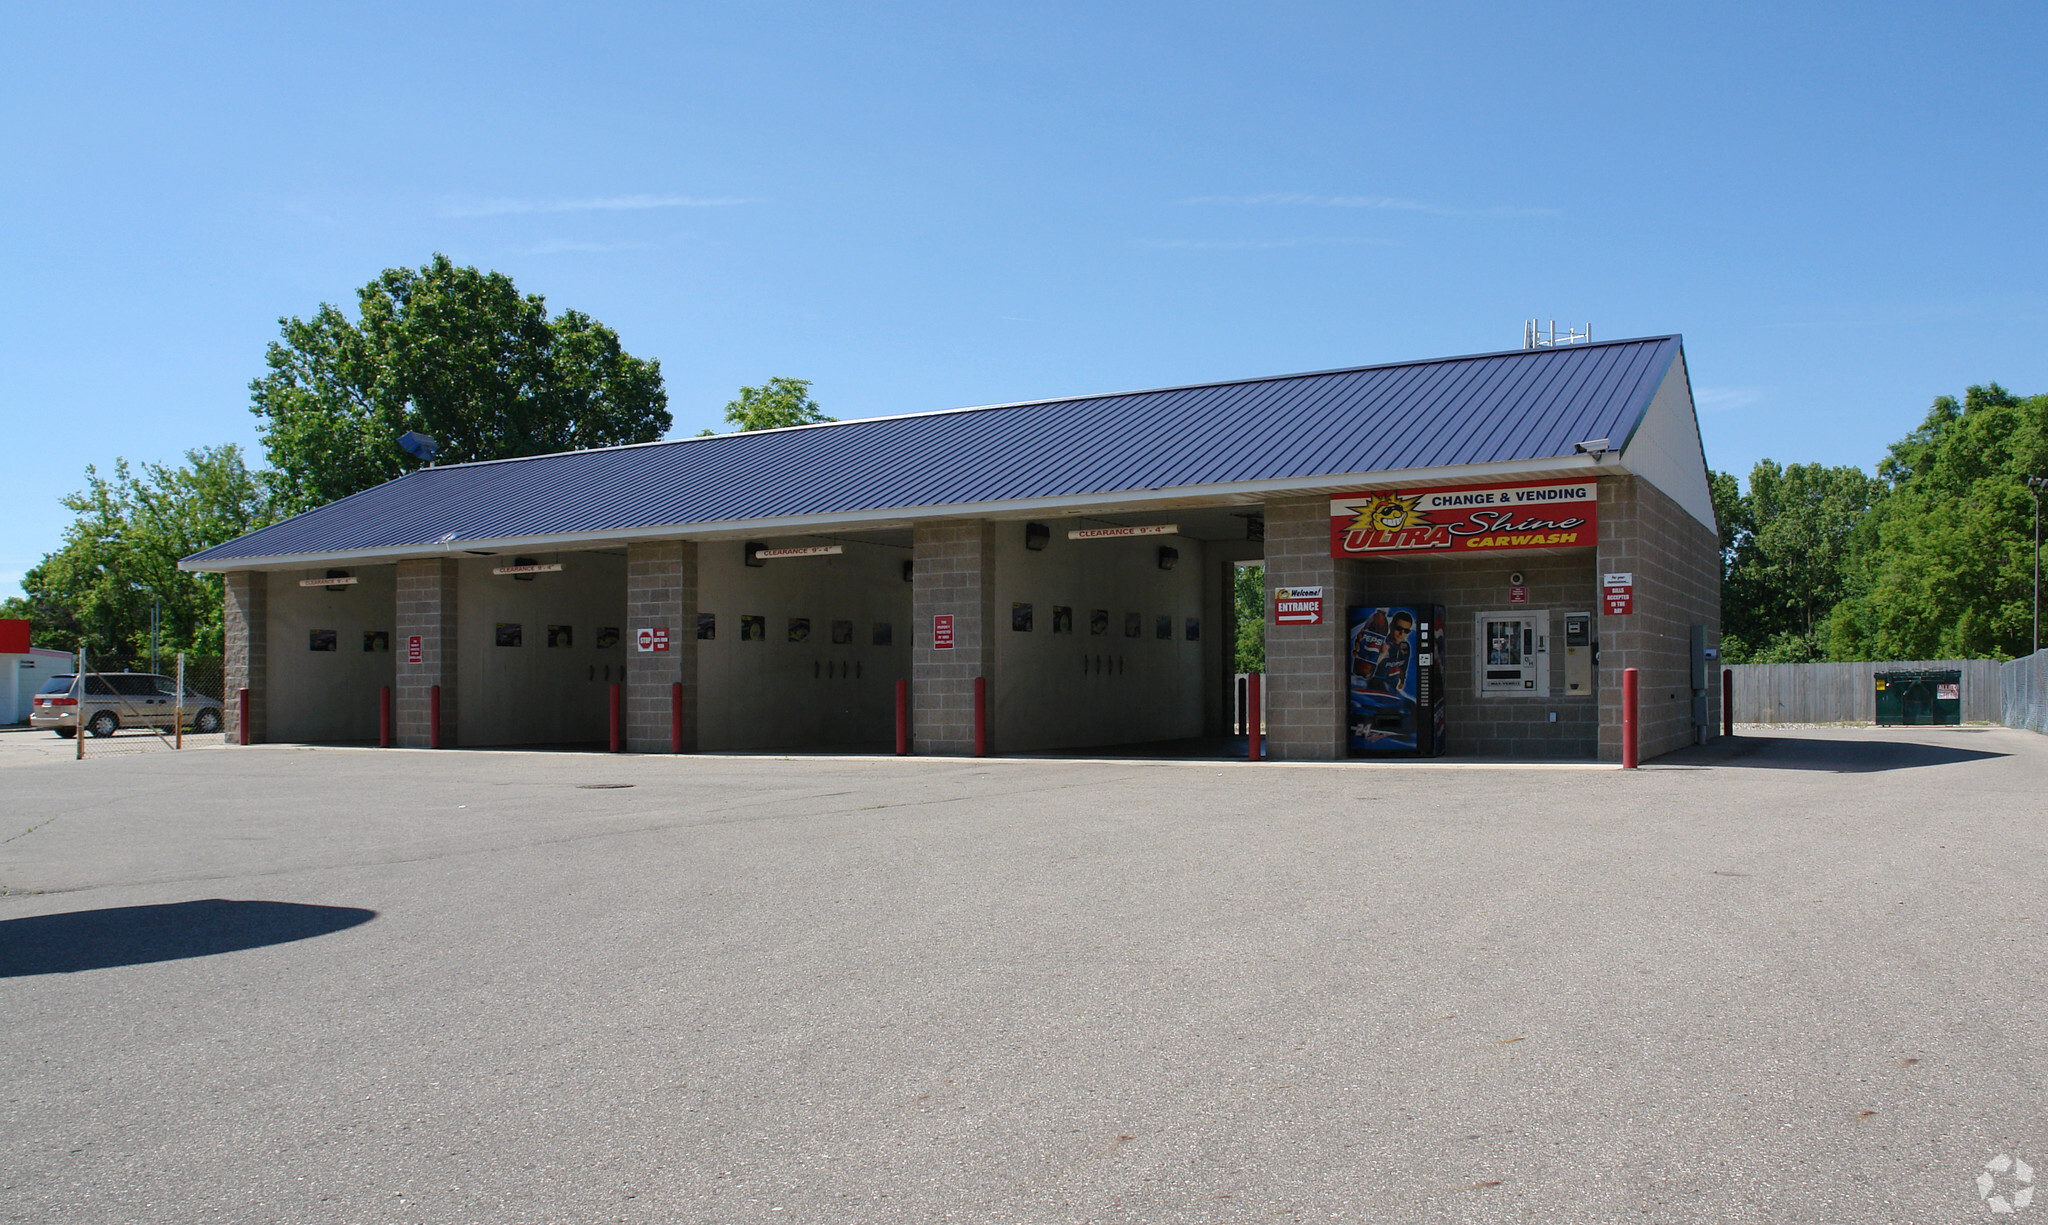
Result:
pixel 2037 484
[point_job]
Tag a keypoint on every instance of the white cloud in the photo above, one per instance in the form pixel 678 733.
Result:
pixel 594 204
pixel 1725 399
pixel 1392 203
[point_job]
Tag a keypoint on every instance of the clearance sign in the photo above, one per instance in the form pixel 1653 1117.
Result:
pixel 1464 519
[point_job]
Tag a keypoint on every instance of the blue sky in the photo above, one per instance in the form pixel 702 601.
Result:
pixel 1841 208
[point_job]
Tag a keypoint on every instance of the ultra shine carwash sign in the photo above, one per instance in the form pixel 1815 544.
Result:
pixel 1464 519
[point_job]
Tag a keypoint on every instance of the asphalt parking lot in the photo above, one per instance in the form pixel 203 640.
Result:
pixel 1797 983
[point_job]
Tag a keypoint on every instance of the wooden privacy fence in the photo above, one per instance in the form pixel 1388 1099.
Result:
pixel 2025 685
pixel 1847 693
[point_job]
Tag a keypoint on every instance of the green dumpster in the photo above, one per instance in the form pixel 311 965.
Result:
pixel 1919 699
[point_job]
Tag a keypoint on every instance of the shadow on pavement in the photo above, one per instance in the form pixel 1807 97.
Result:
pixel 1836 756
pixel 135 935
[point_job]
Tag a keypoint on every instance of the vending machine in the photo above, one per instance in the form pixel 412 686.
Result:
pixel 1397 681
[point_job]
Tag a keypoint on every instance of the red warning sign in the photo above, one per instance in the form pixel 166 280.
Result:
pixel 652 637
pixel 1618 593
pixel 942 632
pixel 412 649
pixel 1297 606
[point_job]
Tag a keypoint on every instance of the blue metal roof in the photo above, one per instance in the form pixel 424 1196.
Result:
pixel 1519 405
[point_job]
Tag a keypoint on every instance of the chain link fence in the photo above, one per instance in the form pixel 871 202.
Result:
pixel 116 708
pixel 2025 685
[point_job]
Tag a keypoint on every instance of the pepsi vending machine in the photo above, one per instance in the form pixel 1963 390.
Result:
pixel 1397 681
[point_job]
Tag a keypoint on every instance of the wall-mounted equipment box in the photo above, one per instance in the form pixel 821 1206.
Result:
pixel 1919 699
pixel 1578 654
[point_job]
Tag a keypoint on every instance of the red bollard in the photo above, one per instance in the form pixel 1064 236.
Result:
pixel 384 717
pixel 1255 725
pixel 434 717
pixel 1727 701
pixel 675 717
pixel 980 717
pixel 1629 755
pixel 615 716
pixel 902 718
pixel 241 716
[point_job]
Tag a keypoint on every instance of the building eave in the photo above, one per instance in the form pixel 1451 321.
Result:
pixel 1237 493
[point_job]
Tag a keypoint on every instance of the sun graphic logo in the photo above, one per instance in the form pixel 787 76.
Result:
pixel 1389 512
pixel 2006 1185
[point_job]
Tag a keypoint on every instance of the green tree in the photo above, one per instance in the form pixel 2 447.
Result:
pixel 454 353
pixel 774 404
pixel 1943 566
pixel 1785 545
pixel 120 554
pixel 1250 592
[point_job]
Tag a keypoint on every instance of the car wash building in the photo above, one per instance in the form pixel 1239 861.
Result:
pixel 1505 533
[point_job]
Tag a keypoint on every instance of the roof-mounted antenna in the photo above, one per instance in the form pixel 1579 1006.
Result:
pixel 1534 336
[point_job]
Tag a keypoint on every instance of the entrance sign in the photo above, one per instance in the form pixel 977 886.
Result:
pixel 549 568
pixel 1465 519
pixel 942 632
pixel 1297 606
pixel 412 649
pixel 1107 533
pixel 1618 593
pixel 652 638
pixel 818 550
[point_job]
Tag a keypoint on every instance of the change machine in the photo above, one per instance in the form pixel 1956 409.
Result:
pixel 1397 681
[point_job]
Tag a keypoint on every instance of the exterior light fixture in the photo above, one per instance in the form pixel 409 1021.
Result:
pixel 754 548
pixel 1035 536
pixel 1167 557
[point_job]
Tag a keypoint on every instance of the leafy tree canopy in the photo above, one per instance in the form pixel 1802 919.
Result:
pixel 1943 566
pixel 774 404
pixel 455 353
pixel 1249 594
pixel 121 553
pixel 1784 548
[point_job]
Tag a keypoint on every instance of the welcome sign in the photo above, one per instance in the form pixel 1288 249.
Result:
pixel 1465 519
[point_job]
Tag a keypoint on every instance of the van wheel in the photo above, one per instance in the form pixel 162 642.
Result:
pixel 65 733
pixel 103 724
pixel 207 722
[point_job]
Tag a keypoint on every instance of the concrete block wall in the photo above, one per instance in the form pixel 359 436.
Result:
pixel 661 590
pixel 953 574
pixel 427 608
pixel 1306 694
pixel 246 618
pixel 1676 562
pixel 1501 725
